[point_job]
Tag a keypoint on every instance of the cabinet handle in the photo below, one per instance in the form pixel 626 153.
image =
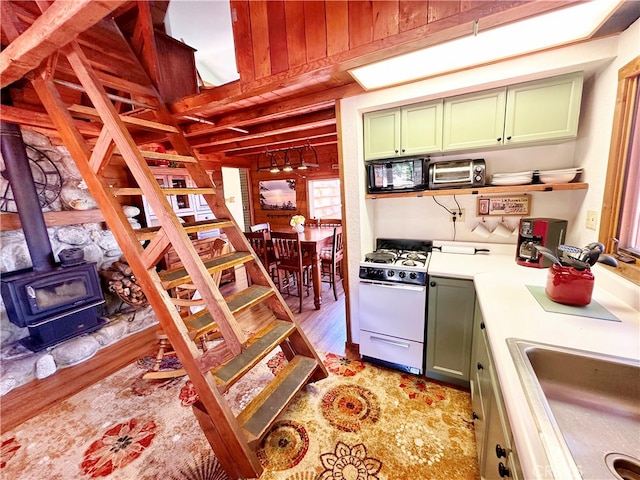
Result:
pixel 503 471
pixel 475 416
pixel 499 139
pixel 432 284
pixel 509 137
pixel 481 325
pixel 479 366
pixel 403 150
pixel 500 452
pixel 396 151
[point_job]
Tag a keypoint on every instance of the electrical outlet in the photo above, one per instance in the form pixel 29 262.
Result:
pixel 459 215
pixel 592 219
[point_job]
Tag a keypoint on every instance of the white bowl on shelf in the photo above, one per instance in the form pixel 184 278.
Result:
pixel 558 176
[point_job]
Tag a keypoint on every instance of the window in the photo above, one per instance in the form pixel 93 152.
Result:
pixel 621 207
pixel 324 198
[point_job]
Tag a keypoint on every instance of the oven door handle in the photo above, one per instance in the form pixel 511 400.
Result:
pixel 390 342
pixel 400 286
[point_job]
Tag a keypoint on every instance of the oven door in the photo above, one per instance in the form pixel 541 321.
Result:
pixel 392 323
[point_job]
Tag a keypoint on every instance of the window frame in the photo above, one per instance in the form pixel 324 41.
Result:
pixel 628 84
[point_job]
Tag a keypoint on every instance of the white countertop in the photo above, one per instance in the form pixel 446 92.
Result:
pixel 510 310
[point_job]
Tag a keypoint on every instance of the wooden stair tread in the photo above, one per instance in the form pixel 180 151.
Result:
pixel 258 416
pixel 265 341
pixel 248 297
pixel 171 157
pixel 192 227
pixel 178 276
pixel 166 191
pixel 200 322
pixel 91 113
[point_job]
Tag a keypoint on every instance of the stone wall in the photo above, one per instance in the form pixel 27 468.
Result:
pixel 19 365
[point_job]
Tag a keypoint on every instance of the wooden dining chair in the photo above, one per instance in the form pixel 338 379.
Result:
pixel 292 260
pixel 331 261
pixel 261 227
pixel 330 222
pixel 264 250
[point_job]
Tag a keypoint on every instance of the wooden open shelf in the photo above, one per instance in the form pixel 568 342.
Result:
pixel 542 187
pixel 11 221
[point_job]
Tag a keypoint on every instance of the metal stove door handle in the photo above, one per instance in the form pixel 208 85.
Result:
pixel 390 342
pixel 402 286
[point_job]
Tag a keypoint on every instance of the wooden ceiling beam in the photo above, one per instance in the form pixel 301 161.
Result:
pixel 275 110
pixel 56 27
pixel 33 119
pixel 292 124
pixel 294 137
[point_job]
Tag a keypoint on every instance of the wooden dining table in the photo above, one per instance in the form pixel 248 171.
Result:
pixel 312 241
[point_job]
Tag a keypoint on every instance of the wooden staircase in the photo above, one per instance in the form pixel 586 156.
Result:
pixel 128 110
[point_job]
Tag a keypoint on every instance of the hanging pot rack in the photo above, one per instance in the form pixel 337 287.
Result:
pixel 288 159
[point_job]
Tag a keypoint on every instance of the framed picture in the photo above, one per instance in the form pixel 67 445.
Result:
pixel 278 194
pixel 517 205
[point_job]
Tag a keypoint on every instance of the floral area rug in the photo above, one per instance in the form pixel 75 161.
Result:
pixel 363 422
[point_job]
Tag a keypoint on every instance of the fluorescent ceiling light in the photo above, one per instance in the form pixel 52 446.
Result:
pixel 552 29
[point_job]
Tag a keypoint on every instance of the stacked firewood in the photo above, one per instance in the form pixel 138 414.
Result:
pixel 121 281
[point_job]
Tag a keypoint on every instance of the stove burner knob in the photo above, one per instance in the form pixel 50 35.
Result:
pixel 413 275
pixel 380 272
pixel 402 274
pixel 391 273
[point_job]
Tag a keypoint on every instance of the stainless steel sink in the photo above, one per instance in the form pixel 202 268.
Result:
pixel 586 407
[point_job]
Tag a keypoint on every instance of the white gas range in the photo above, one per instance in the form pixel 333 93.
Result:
pixel 393 301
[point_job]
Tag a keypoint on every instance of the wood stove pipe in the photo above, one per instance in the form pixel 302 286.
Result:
pixel 18 173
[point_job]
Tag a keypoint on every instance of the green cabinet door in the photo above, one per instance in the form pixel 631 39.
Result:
pixel 543 110
pixel 421 128
pixel 450 329
pixel 382 134
pixel 474 120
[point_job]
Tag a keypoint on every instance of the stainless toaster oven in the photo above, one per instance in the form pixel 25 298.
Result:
pixel 457 174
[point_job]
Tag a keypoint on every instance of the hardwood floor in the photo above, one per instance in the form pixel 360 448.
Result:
pixel 325 328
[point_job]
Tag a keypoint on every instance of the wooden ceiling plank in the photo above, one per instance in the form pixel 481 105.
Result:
pixel 412 14
pixel 337 13
pixel 260 38
pixel 360 24
pixel 385 18
pixel 241 24
pixel 296 40
pixel 59 25
pixel 442 9
pixel 315 30
pixel 278 46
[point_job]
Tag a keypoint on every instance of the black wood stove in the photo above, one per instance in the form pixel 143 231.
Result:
pixel 55 301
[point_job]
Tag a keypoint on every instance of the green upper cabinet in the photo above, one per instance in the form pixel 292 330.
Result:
pixel 540 111
pixel 474 120
pixel 543 110
pixel 411 130
pixel 382 134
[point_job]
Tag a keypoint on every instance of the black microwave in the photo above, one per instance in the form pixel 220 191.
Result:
pixel 397 175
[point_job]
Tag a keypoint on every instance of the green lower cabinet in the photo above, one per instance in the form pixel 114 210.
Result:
pixel 497 457
pixel 449 329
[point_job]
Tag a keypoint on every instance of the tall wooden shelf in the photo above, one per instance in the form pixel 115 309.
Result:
pixel 543 187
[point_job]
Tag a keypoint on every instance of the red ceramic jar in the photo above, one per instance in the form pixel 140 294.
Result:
pixel 569 286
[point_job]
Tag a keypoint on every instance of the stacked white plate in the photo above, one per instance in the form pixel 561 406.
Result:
pixel 515 178
pixel 559 176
